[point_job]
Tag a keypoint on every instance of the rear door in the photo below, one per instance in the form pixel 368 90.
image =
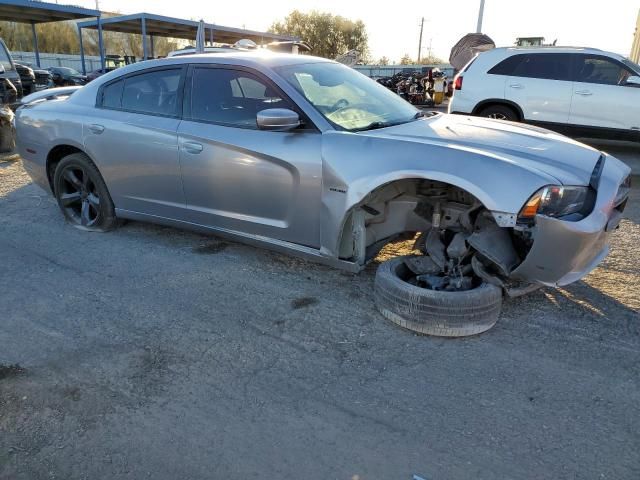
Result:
pixel 540 83
pixel 601 97
pixel 238 177
pixel 132 135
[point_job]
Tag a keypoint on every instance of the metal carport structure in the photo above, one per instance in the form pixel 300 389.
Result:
pixel 148 24
pixel 34 12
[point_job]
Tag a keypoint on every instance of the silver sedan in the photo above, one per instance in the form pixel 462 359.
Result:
pixel 307 156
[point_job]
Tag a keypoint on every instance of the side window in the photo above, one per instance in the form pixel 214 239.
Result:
pixel 507 66
pixel 154 92
pixel 231 97
pixel 548 66
pixel 112 95
pixel 594 69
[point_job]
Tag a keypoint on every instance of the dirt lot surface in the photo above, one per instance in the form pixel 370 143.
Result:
pixel 153 353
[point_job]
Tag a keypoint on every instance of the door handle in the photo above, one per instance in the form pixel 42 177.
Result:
pixel 95 128
pixel 516 85
pixel 192 147
pixel 584 93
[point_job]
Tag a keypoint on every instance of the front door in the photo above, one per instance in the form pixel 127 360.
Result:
pixel 600 96
pixel 237 177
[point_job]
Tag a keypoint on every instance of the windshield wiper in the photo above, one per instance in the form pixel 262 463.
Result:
pixel 373 126
pixel 378 124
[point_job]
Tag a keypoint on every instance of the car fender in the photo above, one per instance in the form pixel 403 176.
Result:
pixel 356 165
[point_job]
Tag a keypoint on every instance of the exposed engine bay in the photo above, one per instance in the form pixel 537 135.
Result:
pixel 461 242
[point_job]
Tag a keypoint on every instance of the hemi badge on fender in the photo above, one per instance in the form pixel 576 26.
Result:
pixel 339 190
pixel 31 150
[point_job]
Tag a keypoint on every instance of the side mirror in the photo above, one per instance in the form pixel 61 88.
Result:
pixel 633 81
pixel 277 119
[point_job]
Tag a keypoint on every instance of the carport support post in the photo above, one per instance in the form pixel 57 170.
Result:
pixel 100 43
pixel 144 38
pixel 84 67
pixel 35 43
pixel 211 36
pixel 151 42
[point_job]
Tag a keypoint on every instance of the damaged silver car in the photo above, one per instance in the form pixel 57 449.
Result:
pixel 307 156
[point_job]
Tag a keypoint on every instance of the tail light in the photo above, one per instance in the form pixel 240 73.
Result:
pixel 458 83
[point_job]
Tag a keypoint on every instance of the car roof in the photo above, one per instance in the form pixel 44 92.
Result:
pixel 253 57
pixel 553 49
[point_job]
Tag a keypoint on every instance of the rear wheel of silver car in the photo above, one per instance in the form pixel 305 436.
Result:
pixel 82 194
pixel 431 312
pixel 500 112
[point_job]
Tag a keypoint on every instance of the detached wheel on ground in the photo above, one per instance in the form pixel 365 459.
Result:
pixel 499 112
pixel 432 312
pixel 82 194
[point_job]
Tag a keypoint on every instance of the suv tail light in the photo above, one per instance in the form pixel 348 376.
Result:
pixel 458 83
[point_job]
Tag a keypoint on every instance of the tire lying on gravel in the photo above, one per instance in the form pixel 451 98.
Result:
pixel 431 312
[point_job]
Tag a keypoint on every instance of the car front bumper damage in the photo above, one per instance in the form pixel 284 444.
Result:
pixel 563 251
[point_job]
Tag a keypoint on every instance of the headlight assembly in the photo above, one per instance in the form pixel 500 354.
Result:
pixel 568 203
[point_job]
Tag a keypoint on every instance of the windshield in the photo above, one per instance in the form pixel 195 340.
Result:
pixel 347 98
pixel 633 66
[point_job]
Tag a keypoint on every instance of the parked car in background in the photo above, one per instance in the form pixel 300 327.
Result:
pixel 66 77
pixel 578 91
pixel 91 76
pixel 27 78
pixel 10 78
pixel 111 62
pixel 44 79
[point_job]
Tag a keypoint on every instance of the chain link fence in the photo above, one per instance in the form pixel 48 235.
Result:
pixel 58 60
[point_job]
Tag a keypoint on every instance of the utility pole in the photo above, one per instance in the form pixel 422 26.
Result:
pixel 480 15
pixel 420 41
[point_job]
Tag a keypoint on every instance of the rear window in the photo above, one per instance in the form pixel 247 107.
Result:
pixel 548 66
pixel 153 92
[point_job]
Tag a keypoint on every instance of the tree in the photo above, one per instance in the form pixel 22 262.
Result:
pixel 328 35
pixel 406 60
pixel 383 61
pixel 431 60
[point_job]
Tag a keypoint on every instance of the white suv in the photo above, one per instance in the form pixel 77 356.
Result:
pixel 578 91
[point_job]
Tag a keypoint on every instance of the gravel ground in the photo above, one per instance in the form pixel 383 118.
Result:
pixel 149 352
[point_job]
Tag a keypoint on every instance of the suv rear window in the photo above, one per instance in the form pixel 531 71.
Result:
pixel 548 66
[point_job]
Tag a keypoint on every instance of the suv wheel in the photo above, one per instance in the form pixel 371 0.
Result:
pixel 500 112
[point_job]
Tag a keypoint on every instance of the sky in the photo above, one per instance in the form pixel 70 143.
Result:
pixel 394 27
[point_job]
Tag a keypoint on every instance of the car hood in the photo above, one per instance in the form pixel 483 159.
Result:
pixel 535 149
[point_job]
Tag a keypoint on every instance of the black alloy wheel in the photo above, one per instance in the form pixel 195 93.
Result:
pixel 82 194
pixel 78 196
